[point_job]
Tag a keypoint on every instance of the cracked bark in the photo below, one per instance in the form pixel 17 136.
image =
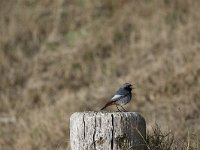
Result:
pixel 94 141
pixel 107 131
pixel 112 140
pixel 84 126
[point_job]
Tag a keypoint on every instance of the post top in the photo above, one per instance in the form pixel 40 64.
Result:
pixel 105 113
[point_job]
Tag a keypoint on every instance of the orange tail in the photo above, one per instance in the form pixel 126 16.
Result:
pixel 108 104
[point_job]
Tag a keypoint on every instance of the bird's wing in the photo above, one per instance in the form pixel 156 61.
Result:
pixel 119 94
pixel 115 97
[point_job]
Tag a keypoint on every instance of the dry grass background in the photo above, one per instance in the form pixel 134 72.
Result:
pixel 58 57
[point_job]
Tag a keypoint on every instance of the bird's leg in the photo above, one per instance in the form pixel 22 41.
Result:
pixel 123 108
pixel 118 109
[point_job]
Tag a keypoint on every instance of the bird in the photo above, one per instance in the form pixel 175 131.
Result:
pixel 122 96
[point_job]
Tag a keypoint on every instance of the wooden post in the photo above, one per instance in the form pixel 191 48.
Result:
pixel 107 131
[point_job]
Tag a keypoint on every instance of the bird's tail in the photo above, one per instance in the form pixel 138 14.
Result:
pixel 108 104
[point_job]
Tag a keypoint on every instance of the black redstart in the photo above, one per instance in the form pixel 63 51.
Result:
pixel 121 97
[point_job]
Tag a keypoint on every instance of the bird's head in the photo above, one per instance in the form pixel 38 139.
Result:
pixel 127 86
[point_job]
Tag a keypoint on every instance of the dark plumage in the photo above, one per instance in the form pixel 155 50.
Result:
pixel 121 97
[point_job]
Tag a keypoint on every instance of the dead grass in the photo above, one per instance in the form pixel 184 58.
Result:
pixel 159 140
pixel 58 57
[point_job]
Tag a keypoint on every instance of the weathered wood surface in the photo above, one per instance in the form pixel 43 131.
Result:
pixel 107 131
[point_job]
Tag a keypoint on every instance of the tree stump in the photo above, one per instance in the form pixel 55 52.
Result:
pixel 107 131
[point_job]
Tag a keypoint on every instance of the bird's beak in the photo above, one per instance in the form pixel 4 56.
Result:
pixel 131 86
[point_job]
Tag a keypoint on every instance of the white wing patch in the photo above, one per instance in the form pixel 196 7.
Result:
pixel 115 97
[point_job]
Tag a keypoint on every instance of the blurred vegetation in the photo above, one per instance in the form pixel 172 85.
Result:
pixel 58 57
